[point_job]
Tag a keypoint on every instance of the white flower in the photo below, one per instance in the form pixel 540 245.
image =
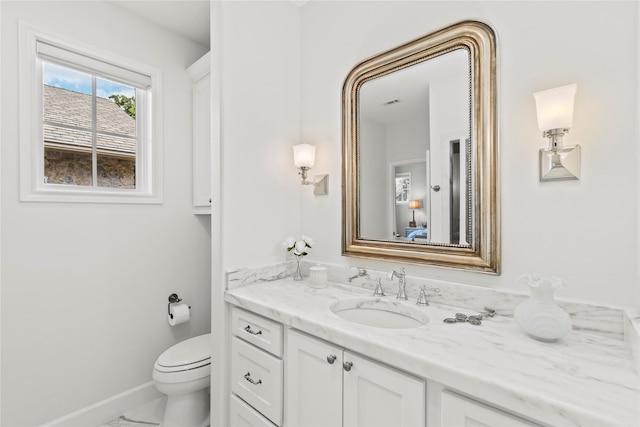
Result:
pixel 298 246
pixel 289 243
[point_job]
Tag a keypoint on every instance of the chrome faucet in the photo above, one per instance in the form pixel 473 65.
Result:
pixel 361 273
pixel 401 282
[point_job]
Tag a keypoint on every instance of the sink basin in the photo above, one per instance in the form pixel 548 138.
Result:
pixel 379 313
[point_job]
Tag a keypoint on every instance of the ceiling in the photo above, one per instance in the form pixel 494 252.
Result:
pixel 188 18
pixel 409 87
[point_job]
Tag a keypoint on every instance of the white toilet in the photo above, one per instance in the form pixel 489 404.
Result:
pixel 183 373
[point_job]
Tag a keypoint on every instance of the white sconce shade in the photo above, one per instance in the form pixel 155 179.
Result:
pixel 555 107
pixel 555 118
pixel 304 155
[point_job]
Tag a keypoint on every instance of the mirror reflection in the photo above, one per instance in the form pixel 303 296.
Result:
pixel 419 164
pixel 415 165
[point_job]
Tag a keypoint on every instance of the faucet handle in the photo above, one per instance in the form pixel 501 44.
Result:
pixel 400 275
pixel 422 299
pixel 379 291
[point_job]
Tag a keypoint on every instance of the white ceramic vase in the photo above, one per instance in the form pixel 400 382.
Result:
pixel 540 316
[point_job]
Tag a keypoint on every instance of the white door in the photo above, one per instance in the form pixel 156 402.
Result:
pixel 313 382
pixel 376 395
pixel 458 411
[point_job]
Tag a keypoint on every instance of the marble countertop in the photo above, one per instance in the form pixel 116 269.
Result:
pixel 581 380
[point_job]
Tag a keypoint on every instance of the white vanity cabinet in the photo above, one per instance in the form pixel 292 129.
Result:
pixel 460 411
pixel 200 75
pixel 257 370
pixel 329 386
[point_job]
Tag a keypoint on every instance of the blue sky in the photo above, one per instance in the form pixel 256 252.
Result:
pixel 66 78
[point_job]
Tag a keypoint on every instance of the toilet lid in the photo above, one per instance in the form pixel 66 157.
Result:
pixel 193 350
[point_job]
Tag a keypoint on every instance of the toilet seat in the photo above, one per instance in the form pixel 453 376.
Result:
pixel 186 361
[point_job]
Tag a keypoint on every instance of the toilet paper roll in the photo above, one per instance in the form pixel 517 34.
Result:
pixel 180 314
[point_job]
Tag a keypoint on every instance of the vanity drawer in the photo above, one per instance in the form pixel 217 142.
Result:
pixel 257 377
pixel 243 415
pixel 257 330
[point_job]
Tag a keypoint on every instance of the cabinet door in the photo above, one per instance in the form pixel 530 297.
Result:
pixel 243 415
pixel 376 395
pixel 458 411
pixel 313 382
pixel 256 377
pixel 202 145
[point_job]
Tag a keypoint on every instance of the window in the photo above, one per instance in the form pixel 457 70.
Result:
pixel 86 124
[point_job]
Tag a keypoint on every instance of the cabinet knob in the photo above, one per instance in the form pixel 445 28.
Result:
pixel 331 358
pixel 347 366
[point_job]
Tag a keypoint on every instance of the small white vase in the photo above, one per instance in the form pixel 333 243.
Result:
pixel 298 274
pixel 540 316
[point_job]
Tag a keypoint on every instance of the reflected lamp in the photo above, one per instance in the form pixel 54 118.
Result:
pixel 414 204
pixel 555 117
pixel 304 156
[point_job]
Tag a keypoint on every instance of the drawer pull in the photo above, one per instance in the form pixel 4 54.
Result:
pixel 331 358
pixel 248 329
pixel 247 377
pixel 347 366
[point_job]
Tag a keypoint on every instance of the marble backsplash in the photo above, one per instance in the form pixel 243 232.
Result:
pixel 586 317
pixel 632 334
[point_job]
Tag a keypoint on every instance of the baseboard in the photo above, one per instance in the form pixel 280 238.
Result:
pixel 98 413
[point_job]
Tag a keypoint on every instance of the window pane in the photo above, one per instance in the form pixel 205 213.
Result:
pixel 116 105
pixel 116 161
pixel 114 172
pixel 67 96
pixel 67 167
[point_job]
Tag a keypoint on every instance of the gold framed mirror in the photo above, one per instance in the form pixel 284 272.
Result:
pixel 420 152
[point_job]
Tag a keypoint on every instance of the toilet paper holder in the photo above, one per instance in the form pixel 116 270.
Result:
pixel 173 299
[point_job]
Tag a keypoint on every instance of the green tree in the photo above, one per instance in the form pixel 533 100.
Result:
pixel 128 104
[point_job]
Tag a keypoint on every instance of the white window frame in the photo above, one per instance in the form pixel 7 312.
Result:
pixel 148 121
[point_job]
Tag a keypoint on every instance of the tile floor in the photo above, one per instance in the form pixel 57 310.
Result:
pixel 147 415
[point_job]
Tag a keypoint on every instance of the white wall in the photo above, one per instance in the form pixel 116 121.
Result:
pixel 583 231
pixel 260 62
pixel 374 197
pixel 85 286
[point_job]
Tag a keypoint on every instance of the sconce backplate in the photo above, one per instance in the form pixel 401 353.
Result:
pixel 561 164
pixel 321 185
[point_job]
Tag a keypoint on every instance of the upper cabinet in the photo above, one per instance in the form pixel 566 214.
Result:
pixel 200 73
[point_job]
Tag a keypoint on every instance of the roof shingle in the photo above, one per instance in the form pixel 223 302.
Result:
pixel 69 108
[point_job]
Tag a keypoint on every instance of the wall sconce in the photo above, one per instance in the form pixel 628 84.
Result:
pixel 555 117
pixel 414 204
pixel 304 156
